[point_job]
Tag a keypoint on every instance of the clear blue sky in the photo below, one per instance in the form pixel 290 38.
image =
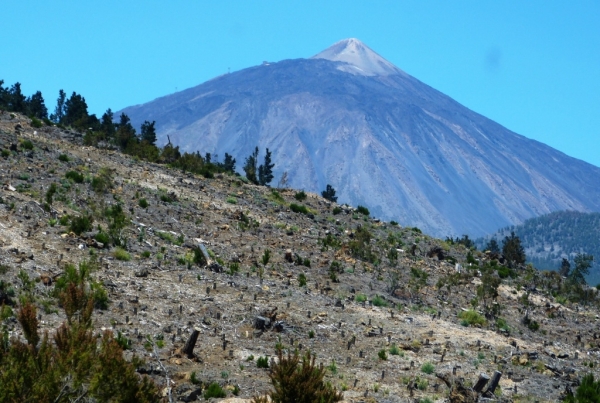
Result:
pixel 532 66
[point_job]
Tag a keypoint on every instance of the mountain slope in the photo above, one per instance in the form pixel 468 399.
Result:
pixel 382 138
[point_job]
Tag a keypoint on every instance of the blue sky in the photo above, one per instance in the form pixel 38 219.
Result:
pixel 532 66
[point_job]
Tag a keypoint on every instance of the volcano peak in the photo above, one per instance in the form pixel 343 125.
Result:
pixel 359 58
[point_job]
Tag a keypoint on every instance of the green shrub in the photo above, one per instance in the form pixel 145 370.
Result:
pixel 393 223
pixel 64 220
pixel 336 210
pixel 214 390
pixel 262 362
pixel 394 350
pixel 379 301
pixel 298 379
pixel 81 224
pixel 302 279
pixel 298 208
pixel 533 325
pixel 27 145
pixel 382 355
pixel 5 153
pixel 300 196
pixel 63 158
pixel 231 200
pixel 428 368
pixel 311 334
pixel 362 210
pixel 102 237
pixel 587 392
pixel 74 176
pixel 121 254
pixel 143 203
pixel 471 318
pixel 35 122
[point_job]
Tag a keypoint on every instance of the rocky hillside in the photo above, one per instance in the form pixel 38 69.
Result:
pixel 386 309
pixel 381 138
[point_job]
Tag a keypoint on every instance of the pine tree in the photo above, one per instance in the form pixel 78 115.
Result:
pixel 565 268
pixel 36 106
pixel 229 163
pixel 513 251
pixel 17 101
pixel 492 246
pixel 148 132
pixel 583 262
pixel 59 110
pixel 76 112
pixel 329 193
pixel 265 171
pixel 250 167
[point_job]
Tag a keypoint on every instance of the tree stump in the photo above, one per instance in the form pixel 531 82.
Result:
pixel 188 349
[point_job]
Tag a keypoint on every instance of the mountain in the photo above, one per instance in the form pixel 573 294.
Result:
pixel 550 238
pixel 380 137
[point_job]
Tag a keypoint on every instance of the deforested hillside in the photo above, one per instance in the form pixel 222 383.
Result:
pixel 192 286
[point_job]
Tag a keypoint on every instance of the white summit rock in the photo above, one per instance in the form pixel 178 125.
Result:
pixel 358 59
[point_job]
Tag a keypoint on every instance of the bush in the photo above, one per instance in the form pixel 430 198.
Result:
pixel 262 362
pixel 300 196
pixel 302 279
pixel 74 176
pixel 361 298
pixel 214 390
pixel 121 254
pixel 394 223
pixel 102 237
pixel 298 208
pixel 379 301
pixel 336 210
pixel 394 350
pixel 143 203
pixel 63 158
pixel 81 224
pixel 27 145
pixel 382 355
pixel 471 318
pixel 297 379
pixel 35 122
pixel 362 210
pixel 587 392
pixel 428 368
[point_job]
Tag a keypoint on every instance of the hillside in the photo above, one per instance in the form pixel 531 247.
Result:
pixel 550 238
pixel 383 307
pixel 382 138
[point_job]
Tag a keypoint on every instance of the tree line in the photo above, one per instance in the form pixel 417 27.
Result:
pixel 104 132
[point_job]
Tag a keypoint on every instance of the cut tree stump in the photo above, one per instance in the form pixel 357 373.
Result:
pixel 188 349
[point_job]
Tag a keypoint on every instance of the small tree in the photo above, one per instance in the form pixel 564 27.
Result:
pixel 329 193
pixel 148 132
pixel 295 382
pixel 250 167
pixel 229 163
pixel 587 392
pixel 492 246
pixel 565 268
pixel 265 171
pixel 583 262
pixel 513 251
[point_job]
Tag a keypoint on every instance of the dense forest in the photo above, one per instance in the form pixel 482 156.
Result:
pixel 550 238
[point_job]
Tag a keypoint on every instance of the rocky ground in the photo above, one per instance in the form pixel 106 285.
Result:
pixel 248 302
